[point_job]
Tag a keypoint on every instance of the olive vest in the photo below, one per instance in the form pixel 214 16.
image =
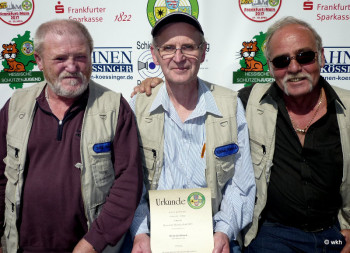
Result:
pixel 97 171
pixel 220 132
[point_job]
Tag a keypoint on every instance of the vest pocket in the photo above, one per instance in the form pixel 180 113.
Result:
pixel 102 169
pixel 12 163
pixel 225 169
pixel 9 216
pixel 149 164
pixel 258 151
pixel 12 169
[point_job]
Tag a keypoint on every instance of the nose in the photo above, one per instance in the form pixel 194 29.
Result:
pixel 179 56
pixel 71 65
pixel 294 66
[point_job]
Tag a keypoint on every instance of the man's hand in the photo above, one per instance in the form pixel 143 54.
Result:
pixel 142 244
pixel 346 234
pixel 83 246
pixel 146 86
pixel 221 243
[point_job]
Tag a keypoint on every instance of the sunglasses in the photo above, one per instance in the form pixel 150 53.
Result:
pixel 302 58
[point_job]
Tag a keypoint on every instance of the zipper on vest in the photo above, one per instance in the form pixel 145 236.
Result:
pixel 16 152
pixel 261 145
pixel 152 150
pixel 15 149
pixel 155 168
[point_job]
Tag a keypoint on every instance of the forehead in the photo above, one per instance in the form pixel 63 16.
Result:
pixel 178 31
pixel 291 39
pixel 66 42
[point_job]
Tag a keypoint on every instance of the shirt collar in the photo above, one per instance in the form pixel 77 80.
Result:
pixel 206 102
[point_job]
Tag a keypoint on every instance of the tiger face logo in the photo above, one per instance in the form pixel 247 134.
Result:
pixel 10 53
pixel 248 52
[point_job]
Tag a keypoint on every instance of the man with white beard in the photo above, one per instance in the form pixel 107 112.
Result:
pixel 70 175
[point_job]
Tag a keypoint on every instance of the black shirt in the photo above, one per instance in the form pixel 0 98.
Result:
pixel 304 187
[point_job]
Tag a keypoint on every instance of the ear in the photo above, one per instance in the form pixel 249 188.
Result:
pixel 39 61
pixel 204 52
pixel 154 55
pixel 323 59
pixel 270 69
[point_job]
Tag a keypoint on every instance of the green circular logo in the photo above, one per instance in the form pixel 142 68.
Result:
pixel 27 48
pixel 196 200
pixel 156 9
pixel 274 3
pixel 27 5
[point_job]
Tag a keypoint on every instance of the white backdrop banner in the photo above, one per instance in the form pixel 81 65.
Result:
pixel 121 32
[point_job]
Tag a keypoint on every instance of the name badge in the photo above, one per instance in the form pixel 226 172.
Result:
pixel 102 147
pixel 226 150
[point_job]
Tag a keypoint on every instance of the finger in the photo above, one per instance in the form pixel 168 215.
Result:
pixel 148 88
pixel 156 81
pixel 135 90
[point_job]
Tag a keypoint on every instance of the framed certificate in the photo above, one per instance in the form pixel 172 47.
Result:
pixel 181 221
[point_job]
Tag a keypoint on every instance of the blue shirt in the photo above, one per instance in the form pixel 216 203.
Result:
pixel 183 166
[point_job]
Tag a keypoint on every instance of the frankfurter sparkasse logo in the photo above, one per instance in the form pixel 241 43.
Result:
pixel 156 9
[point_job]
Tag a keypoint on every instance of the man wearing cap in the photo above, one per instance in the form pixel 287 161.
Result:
pixel 184 127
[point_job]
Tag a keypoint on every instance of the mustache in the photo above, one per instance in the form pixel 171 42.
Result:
pixel 67 75
pixel 292 76
pixel 299 75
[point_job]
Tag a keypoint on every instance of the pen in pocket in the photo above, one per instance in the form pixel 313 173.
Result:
pixel 203 151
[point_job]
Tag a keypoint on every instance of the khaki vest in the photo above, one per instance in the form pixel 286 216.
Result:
pixel 220 131
pixel 97 171
pixel 261 117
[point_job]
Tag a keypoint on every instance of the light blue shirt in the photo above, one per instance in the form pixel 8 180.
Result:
pixel 184 167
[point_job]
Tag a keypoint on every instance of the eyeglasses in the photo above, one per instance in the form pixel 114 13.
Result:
pixel 302 58
pixel 189 50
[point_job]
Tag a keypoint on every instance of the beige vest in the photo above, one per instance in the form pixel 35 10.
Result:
pixel 97 172
pixel 261 117
pixel 220 131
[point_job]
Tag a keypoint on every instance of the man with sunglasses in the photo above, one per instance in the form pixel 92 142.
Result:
pixel 182 125
pixel 300 148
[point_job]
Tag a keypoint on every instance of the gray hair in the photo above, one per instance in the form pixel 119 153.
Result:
pixel 289 21
pixel 60 27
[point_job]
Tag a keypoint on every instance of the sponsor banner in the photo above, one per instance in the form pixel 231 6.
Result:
pixel 122 58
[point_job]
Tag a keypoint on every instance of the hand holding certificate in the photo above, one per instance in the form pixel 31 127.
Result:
pixel 181 221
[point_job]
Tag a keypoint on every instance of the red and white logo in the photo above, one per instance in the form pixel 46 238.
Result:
pixel 259 10
pixel 16 12
pixel 59 8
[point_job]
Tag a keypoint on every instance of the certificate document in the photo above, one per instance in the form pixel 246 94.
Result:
pixel 181 221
